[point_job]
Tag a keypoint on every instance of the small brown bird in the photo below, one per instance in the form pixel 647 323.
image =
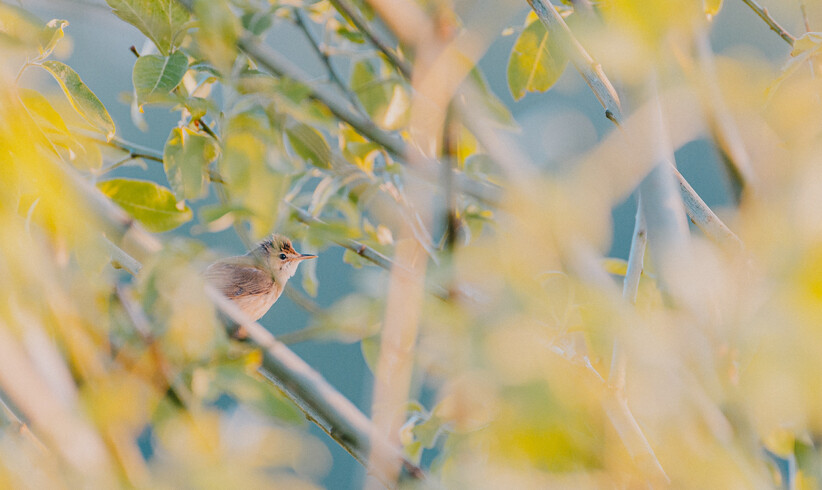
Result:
pixel 256 280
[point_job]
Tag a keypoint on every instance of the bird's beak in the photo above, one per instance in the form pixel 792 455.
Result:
pixel 304 256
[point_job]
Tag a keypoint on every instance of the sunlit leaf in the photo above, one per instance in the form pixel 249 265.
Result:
pixel 41 110
pixel 152 205
pixel 385 100
pixel 160 20
pixel 536 62
pixel 309 144
pixel 711 7
pixel 81 97
pixel 158 75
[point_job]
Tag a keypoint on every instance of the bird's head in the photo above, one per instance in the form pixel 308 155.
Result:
pixel 281 257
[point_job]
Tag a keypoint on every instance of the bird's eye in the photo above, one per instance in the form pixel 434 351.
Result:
pixel 282 257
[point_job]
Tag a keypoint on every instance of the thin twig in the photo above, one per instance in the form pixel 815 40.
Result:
pixel 277 64
pixel 763 14
pixel 630 287
pixel 323 55
pixel 356 18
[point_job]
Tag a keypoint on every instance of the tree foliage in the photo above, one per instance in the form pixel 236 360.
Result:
pixel 551 363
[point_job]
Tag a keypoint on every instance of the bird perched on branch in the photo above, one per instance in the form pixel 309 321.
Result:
pixel 256 280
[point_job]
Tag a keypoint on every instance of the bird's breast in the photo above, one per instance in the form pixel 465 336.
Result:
pixel 255 306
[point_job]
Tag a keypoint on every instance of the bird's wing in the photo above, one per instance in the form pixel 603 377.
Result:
pixel 236 280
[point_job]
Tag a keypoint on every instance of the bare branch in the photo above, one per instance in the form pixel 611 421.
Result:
pixel 763 14
pixel 351 12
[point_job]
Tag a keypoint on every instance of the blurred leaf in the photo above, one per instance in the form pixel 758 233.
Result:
pixel 385 100
pixel 354 259
pixel 152 205
pixel 186 157
pixel 218 32
pixel 496 108
pixel 310 282
pixel 370 347
pixel 614 266
pixel 309 144
pixel 711 7
pixel 233 378
pixel 810 41
pixel 50 35
pixel 244 165
pixel 162 21
pixel 536 62
pixel 158 75
pixel 256 22
pixel 48 119
pixel 81 97
pixel 19 28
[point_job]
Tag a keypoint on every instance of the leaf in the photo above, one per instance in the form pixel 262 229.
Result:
pixel 370 347
pixel 48 119
pixel 18 27
pixel 158 75
pixel 151 204
pixel 711 7
pixel 81 97
pixel 536 63
pixel 309 144
pixel 218 32
pixel 810 41
pixel 186 156
pixel 160 20
pixel 386 101
pixel 50 35
pixel 496 109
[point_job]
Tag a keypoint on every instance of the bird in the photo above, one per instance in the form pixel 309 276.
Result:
pixel 255 281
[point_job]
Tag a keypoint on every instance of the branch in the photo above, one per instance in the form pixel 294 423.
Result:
pixel 366 252
pixel 763 14
pixel 356 18
pixel 703 217
pixel 275 62
pixel 323 55
pixel 589 68
pixel 334 413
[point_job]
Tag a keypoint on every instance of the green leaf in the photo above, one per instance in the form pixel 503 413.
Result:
pixel 496 108
pixel 536 63
pixel 151 204
pixel 309 144
pixel 158 75
pixel 160 20
pixel 186 157
pixel 385 100
pixel 370 347
pixel 81 97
